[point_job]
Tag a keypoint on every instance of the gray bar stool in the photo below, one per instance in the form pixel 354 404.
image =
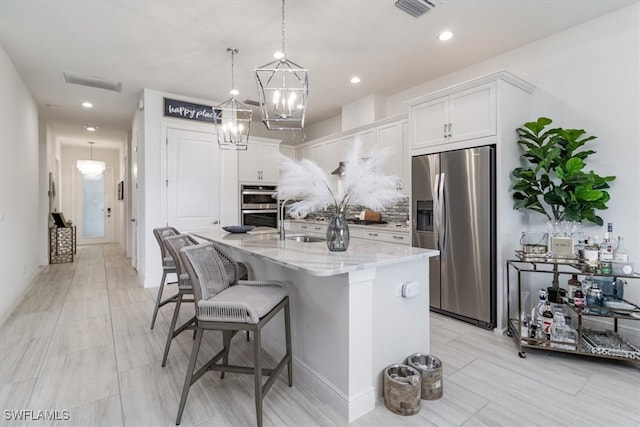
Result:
pixel 168 267
pixel 235 271
pixel 247 305
pixel 173 245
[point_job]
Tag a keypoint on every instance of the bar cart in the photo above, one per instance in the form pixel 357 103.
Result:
pixel 607 344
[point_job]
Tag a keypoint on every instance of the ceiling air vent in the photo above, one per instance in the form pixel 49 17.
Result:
pixel 91 81
pixel 415 8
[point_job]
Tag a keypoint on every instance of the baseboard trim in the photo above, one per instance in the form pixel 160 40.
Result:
pixel 348 409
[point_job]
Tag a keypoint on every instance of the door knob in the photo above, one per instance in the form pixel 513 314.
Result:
pixel 215 221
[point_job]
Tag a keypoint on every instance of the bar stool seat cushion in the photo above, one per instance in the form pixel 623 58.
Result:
pixel 245 302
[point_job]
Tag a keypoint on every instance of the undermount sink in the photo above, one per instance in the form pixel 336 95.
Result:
pixel 306 239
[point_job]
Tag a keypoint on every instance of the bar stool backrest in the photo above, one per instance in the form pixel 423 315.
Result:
pixel 160 233
pixel 173 245
pixel 206 270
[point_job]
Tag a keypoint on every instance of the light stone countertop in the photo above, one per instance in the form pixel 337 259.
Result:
pixel 314 258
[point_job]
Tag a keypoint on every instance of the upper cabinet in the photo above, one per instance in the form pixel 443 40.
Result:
pixel 394 136
pixel 389 133
pixel 467 114
pixel 460 116
pixel 260 163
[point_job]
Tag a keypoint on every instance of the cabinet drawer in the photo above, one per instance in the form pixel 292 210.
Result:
pixel 402 238
pixel 308 227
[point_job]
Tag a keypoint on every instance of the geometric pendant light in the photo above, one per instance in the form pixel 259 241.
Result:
pixel 91 169
pixel 233 119
pixel 283 87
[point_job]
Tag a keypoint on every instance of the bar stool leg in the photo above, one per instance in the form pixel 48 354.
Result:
pixel 189 377
pixel 287 331
pixel 258 374
pixel 226 343
pixel 158 299
pixel 172 328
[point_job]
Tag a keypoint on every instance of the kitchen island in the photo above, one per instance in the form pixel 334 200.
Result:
pixel 349 319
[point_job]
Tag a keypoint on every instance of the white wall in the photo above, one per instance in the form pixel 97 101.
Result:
pixel 21 231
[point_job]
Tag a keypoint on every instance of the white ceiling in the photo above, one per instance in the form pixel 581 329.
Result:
pixel 180 47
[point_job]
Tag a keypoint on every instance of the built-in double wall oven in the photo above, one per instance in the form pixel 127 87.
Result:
pixel 259 205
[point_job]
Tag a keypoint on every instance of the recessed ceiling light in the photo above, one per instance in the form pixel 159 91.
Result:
pixel 355 79
pixel 52 106
pixel 445 35
pixel 87 104
pixel 91 128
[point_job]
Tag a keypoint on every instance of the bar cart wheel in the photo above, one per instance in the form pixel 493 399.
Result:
pixel 522 354
pixel 510 334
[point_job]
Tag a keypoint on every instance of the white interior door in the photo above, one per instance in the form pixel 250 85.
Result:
pixel 97 214
pixel 193 180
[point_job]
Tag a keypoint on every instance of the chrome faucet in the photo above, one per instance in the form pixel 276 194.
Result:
pixel 281 219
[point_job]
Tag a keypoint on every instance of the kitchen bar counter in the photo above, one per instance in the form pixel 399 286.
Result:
pixel 349 319
pixel 314 258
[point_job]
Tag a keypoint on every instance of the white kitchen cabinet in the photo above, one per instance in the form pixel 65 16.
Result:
pixel 393 136
pixel 259 163
pixel 459 116
pixel 400 236
pixel 390 133
pixel 324 155
pixel 369 139
pixel 288 150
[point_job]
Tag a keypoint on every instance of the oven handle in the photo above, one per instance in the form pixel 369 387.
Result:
pixel 259 192
pixel 253 211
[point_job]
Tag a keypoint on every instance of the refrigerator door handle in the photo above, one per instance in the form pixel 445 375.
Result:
pixel 436 208
pixel 442 227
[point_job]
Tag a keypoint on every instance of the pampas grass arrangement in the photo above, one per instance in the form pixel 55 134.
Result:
pixel 364 185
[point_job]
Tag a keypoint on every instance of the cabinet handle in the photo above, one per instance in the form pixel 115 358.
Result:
pixel 449 130
pixel 399 237
pixel 445 130
pixel 317 228
pixel 303 227
pixel 373 234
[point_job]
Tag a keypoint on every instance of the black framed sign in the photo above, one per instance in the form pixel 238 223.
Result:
pixel 190 111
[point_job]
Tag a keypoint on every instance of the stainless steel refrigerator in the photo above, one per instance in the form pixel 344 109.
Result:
pixel 453 203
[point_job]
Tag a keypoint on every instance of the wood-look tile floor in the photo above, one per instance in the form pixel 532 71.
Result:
pixel 80 341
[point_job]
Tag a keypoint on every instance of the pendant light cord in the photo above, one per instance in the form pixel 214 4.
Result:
pixel 283 51
pixel 233 54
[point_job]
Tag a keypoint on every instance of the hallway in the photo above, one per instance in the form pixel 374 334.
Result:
pixel 80 342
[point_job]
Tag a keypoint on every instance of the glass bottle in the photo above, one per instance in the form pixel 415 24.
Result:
pixel 578 298
pixel 578 248
pixel 605 253
pixel 595 297
pixel 621 254
pixel 558 331
pixel 591 251
pixel 573 285
pixel 538 309
pixel 547 321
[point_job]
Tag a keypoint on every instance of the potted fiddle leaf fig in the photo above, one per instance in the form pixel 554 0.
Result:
pixel 555 182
